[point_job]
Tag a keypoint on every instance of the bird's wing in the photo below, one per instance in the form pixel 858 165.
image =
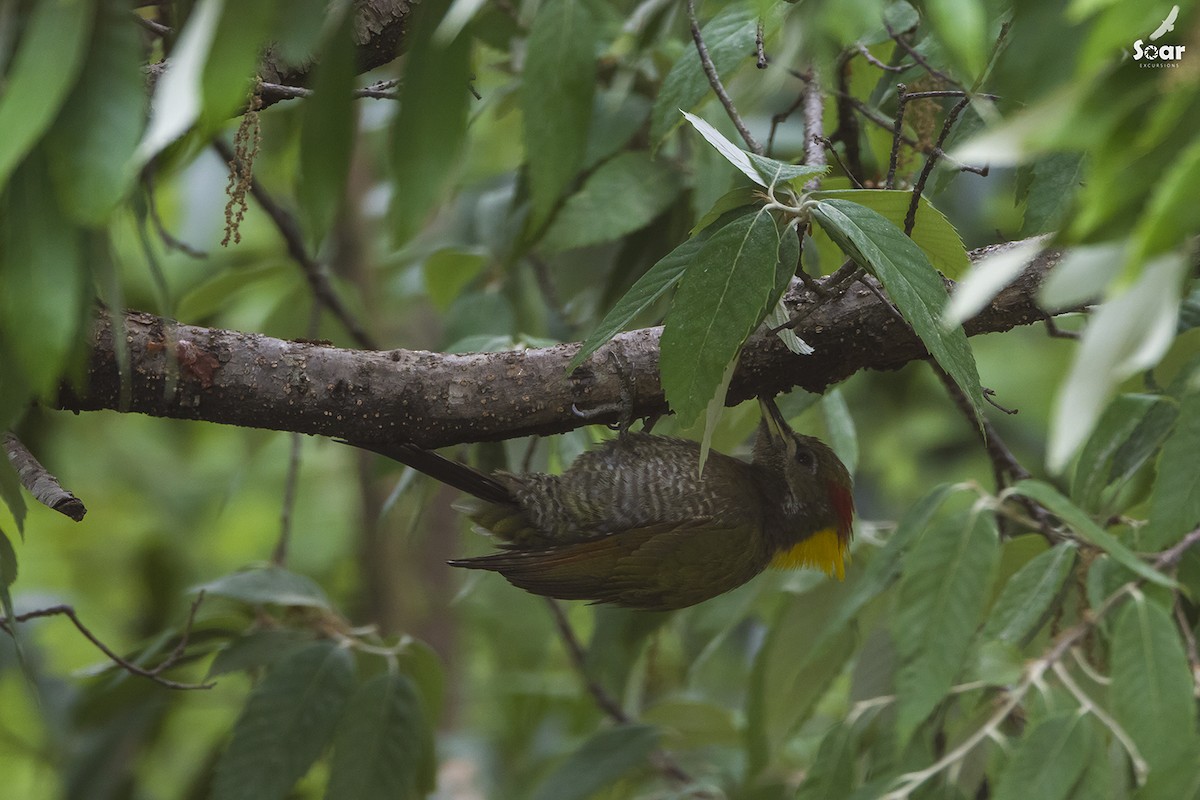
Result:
pixel 656 567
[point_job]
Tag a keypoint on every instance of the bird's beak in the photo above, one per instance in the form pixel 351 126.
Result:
pixel 773 419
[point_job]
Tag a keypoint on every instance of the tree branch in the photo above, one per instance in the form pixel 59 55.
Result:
pixel 38 481
pixel 438 399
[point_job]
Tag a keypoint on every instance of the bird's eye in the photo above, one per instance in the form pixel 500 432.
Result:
pixel 805 459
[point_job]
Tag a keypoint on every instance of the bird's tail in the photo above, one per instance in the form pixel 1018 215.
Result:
pixel 452 473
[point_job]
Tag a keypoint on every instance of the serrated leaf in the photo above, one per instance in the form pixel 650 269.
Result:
pixel 1151 690
pixel 257 649
pixel 776 172
pixel 1125 335
pixel 729 38
pixel 558 84
pixel 1048 760
pixel 50 53
pixel 286 724
pixel 177 97
pixel 100 124
pixel 44 279
pixel 720 301
pixel 1175 500
pixel 1083 527
pixel 987 277
pixel 732 153
pixel 945 583
pixel 714 409
pixel 1119 430
pixel 270 585
pixel 599 763
pixel 645 292
pixel 932 232
pixel 431 127
pixel 1054 180
pixel 911 282
pixel 384 747
pixel 624 195
pixel 1025 601
pixel 327 127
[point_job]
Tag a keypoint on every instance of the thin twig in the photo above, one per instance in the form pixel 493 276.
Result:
pixel 38 480
pixel 828 143
pixel 814 153
pixel 761 56
pixel 897 134
pixel 606 701
pixel 169 239
pixel 714 80
pixel 780 118
pixel 154 674
pixel 910 219
pixel 157 28
pixel 873 61
pixel 318 281
pixel 279 91
pixel 898 38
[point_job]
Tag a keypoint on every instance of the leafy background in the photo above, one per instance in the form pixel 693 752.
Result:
pixel 523 217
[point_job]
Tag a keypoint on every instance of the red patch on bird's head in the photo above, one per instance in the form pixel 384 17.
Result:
pixel 843 506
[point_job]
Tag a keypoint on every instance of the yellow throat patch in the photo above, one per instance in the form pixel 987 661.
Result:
pixel 823 550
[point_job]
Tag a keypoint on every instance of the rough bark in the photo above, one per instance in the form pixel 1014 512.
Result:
pixel 437 399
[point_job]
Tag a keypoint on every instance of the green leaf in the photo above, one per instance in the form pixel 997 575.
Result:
pixel 721 300
pixel 729 37
pixel 1151 690
pixel 1081 276
pixel 732 153
pixel 258 649
pixel 213 294
pixel 1083 526
pixel 1169 218
pixel 384 746
pixel 624 195
pixel 558 84
pixel 945 583
pixel 599 763
pixel 843 436
pixel 1025 602
pixel 8 573
pixel 1053 182
pixel 228 78
pixel 43 69
pixel 177 100
pixel 741 197
pixel 432 124
pixel 97 131
pixel 1049 759
pixel 911 282
pixel 1175 501
pixel 286 724
pixel 269 585
pixel 1121 428
pixel 450 270
pixel 327 127
pixel 962 28
pixel 1125 335
pixel 932 232
pixel 43 278
pixel 776 172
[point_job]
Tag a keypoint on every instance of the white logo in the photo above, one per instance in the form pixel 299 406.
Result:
pixel 1160 55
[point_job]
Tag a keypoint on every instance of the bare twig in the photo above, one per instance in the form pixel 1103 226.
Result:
pixel 898 38
pixel 318 280
pixel 379 91
pixel 897 135
pixel 828 143
pixel 814 153
pixel 606 701
pixel 44 487
pixel 169 239
pixel 155 674
pixel 761 56
pixel 873 61
pixel 157 28
pixel 910 219
pixel 714 80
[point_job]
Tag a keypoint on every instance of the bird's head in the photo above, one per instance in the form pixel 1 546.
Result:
pixel 817 503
